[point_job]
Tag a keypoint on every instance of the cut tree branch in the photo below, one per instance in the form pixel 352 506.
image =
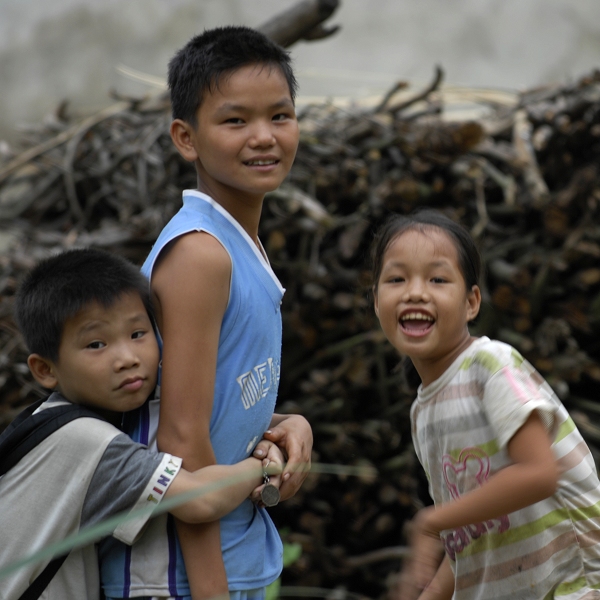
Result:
pixel 303 21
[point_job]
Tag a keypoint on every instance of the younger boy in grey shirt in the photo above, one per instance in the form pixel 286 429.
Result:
pixel 86 318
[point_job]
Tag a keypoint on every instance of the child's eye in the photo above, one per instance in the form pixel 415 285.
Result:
pixel 138 334
pixel 281 117
pixel 96 345
pixel 234 121
pixel 438 280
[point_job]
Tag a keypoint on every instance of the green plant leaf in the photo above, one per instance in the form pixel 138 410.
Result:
pixel 291 553
pixel 272 591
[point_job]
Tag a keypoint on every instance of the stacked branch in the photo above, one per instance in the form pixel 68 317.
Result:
pixel 523 179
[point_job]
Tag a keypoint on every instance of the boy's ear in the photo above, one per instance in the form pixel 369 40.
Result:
pixel 182 135
pixel 474 300
pixel 42 370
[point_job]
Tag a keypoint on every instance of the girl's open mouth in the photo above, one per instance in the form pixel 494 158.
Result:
pixel 416 323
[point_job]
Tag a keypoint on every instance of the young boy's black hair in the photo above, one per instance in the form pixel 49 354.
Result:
pixel 62 285
pixel 207 57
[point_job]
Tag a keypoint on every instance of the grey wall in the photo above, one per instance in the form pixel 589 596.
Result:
pixel 70 49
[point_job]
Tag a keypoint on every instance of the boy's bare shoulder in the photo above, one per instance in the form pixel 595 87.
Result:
pixel 193 250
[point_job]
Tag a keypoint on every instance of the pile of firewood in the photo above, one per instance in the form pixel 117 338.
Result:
pixel 522 178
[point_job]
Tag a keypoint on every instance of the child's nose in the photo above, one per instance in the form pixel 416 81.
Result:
pixel 416 291
pixel 262 135
pixel 126 357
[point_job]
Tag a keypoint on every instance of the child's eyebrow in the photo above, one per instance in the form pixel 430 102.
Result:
pixel 230 106
pixel 432 265
pixel 440 263
pixel 390 264
pixel 141 317
pixel 283 103
pixel 91 326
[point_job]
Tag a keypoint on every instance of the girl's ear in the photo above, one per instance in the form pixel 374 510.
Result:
pixel 375 301
pixel 42 370
pixel 474 301
pixel 183 136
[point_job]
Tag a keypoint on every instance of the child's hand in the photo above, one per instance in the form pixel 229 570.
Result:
pixel 426 552
pixel 273 465
pixel 293 434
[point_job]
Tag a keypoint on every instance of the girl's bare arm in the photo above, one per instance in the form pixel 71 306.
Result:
pixel 532 477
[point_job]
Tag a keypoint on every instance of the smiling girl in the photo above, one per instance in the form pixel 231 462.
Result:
pixel 515 489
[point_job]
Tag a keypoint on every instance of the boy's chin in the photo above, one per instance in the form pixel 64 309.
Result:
pixel 112 416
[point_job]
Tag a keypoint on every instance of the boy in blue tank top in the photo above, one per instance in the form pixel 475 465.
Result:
pixel 218 312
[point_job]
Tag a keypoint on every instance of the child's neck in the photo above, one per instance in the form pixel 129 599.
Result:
pixel 113 417
pixel 431 369
pixel 245 208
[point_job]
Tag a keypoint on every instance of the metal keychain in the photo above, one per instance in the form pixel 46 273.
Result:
pixel 269 494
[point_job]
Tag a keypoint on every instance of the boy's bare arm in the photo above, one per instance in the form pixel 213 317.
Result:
pixel 532 477
pixel 221 488
pixel 191 287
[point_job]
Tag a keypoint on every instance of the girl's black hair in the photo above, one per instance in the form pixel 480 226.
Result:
pixel 469 259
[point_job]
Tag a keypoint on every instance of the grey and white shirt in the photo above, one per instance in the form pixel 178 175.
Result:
pixel 83 473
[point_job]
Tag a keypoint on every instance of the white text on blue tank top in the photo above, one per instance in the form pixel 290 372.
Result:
pixel 256 383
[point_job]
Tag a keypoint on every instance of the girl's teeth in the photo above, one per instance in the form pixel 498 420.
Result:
pixel 416 317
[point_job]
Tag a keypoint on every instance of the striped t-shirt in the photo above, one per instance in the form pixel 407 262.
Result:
pixel 461 425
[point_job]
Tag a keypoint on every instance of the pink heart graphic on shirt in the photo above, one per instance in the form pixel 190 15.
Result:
pixel 467 473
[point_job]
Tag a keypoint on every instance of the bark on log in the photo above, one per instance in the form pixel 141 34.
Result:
pixel 303 21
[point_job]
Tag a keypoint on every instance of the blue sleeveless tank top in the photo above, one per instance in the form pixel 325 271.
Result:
pixel 247 378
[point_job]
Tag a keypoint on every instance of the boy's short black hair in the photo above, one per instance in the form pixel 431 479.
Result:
pixel 60 286
pixel 200 64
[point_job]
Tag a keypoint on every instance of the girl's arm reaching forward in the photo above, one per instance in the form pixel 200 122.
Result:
pixel 532 477
pixel 441 587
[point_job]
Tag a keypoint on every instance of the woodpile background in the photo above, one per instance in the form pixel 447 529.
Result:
pixel 523 178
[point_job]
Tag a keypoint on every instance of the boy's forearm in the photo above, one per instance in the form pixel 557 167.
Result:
pixel 200 542
pixel 225 488
pixel 201 549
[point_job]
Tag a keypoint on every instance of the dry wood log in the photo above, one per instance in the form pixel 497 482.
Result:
pixel 395 109
pixel 526 154
pixel 303 21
